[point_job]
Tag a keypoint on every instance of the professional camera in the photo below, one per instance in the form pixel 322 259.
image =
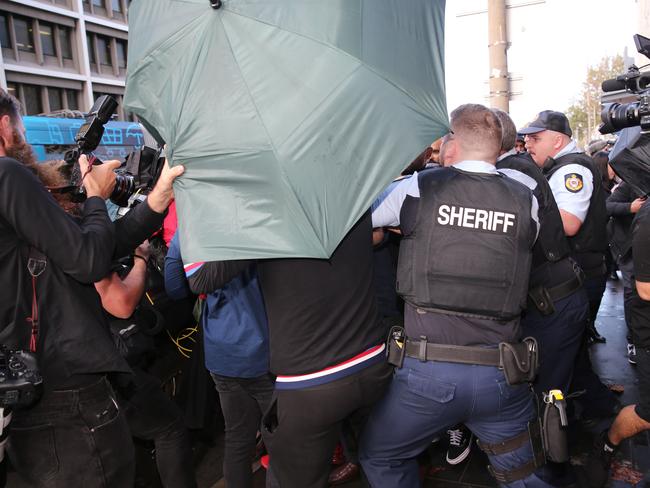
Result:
pixel 140 171
pixel 20 381
pixel 617 116
pixel 630 156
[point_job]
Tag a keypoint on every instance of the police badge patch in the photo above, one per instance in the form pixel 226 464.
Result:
pixel 573 182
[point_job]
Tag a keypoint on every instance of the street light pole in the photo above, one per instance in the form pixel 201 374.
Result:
pixel 498 45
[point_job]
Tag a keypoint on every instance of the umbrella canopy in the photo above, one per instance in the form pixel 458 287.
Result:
pixel 289 115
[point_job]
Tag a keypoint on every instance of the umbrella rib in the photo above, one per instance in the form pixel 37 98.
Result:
pixel 268 135
pixel 331 46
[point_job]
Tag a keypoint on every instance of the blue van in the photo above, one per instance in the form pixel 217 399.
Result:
pixel 51 137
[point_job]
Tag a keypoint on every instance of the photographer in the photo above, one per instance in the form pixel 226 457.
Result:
pixel 151 414
pixel 58 315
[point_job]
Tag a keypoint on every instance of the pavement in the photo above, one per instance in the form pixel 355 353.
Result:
pixel 631 467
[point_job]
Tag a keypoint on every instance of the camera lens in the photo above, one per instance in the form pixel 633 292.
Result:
pixel 617 116
pixel 124 188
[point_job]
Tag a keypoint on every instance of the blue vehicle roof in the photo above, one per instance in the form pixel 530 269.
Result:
pixel 51 137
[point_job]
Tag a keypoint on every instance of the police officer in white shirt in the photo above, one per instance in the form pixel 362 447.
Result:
pixel 576 185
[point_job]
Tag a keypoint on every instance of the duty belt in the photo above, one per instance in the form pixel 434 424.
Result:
pixel 544 298
pixel 427 351
pixel 596 272
pixel 519 361
pixel 565 289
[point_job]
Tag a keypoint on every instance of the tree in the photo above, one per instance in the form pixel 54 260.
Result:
pixel 584 115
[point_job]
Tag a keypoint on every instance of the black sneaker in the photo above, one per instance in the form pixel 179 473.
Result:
pixel 460 444
pixel 596 469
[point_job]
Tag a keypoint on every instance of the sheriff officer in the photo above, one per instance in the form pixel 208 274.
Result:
pixel 463 272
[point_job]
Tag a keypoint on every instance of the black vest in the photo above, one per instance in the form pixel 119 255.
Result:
pixel 551 264
pixel 591 239
pixel 470 249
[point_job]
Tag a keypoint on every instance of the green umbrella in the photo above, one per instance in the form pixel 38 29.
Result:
pixel 290 116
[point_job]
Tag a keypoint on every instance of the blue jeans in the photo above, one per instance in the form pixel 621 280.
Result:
pixel 424 399
pixel 73 438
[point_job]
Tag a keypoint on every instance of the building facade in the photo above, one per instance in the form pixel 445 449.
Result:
pixel 62 54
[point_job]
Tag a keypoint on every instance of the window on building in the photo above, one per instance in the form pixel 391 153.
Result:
pixel 72 97
pixel 32 99
pixel 91 49
pixel 46 31
pixel 86 5
pixel 121 53
pixel 64 41
pixel 117 6
pixel 37 99
pixel 55 97
pixel 104 51
pixel 36 41
pixel 12 89
pixel 5 39
pixel 24 34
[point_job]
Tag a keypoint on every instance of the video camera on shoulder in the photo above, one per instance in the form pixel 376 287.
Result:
pixel 138 173
pixel 617 116
pixel 20 381
pixel 630 156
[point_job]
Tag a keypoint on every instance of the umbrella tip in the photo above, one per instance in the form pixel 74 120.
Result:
pixel 215 4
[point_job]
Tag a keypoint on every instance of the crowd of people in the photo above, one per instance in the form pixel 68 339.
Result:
pixel 459 304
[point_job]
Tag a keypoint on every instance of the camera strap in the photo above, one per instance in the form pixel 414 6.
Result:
pixel 36 264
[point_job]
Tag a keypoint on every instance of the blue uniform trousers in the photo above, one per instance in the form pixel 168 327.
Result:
pixel 559 336
pixel 597 400
pixel 425 398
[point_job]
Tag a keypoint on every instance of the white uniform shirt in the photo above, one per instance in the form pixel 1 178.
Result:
pixel 572 185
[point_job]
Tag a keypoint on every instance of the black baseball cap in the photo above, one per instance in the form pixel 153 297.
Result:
pixel 549 120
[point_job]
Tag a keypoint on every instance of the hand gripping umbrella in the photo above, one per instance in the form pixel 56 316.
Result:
pixel 289 115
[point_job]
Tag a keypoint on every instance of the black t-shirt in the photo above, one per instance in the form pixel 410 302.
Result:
pixel 73 338
pixel 640 309
pixel 320 311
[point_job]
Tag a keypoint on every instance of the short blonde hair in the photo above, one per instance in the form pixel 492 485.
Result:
pixel 478 131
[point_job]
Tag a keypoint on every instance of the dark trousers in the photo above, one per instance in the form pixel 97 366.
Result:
pixel 302 427
pixel 595 288
pixel 642 408
pixel 597 400
pixel 559 336
pixel 152 415
pixel 73 438
pixel 243 402
pixel 626 265
pixel 424 399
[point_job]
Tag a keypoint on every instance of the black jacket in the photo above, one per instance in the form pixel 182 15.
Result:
pixel 73 338
pixel 619 227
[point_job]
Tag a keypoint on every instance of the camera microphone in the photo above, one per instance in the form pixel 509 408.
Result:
pixel 613 85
